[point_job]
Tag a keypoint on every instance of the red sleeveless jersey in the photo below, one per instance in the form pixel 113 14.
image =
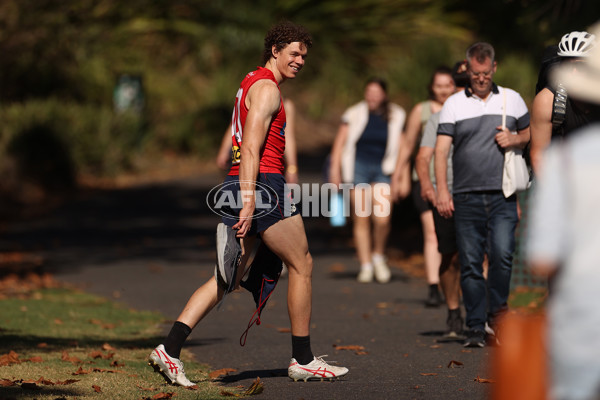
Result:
pixel 271 153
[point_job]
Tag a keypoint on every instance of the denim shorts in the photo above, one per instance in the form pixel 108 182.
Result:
pixel 369 172
pixel 271 203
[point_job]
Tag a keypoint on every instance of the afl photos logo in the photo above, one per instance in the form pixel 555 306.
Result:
pixel 227 199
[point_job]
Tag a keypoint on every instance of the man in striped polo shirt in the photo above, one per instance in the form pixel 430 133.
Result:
pixel 485 220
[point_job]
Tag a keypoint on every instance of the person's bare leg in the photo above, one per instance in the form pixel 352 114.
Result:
pixel 207 296
pixel 287 239
pixel 382 215
pixel 432 256
pixel 450 280
pixel 361 224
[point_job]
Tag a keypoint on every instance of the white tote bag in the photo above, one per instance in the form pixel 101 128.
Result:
pixel 515 175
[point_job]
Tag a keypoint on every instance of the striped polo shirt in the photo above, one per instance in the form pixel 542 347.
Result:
pixel 471 122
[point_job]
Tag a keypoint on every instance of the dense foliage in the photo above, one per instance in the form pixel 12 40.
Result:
pixel 60 61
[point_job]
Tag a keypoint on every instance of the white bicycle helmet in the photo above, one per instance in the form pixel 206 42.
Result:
pixel 576 44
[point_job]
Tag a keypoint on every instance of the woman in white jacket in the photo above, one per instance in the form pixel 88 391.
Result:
pixel 364 153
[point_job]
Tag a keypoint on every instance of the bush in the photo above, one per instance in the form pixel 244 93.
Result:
pixel 53 140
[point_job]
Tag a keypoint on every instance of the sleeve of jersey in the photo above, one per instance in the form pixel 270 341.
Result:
pixel 447 123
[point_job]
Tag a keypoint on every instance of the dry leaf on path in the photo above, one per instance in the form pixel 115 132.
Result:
pixel 254 389
pixel 66 357
pixel 67 382
pixel 36 359
pixel 452 364
pixel 428 373
pixel 10 358
pixel 483 380
pixel 82 371
pixel 7 383
pixel 219 372
pixel 284 330
pixel 97 388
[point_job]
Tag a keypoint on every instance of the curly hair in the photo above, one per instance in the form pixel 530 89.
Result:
pixel 283 34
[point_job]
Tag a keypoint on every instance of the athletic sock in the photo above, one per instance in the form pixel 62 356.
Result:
pixel 174 341
pixel 301 349
pixel 366 266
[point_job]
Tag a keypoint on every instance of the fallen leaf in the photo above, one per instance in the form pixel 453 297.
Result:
pixel 95 321
pixel 97 388
pixel 452 364
pixel 6 383
pixel 115 363
pixel 337 268
pixel 255 388
pixel 108 326
pixel 36 359
pixel 466 351
pixel 483 380
pixel 44 381
pixel 435 346
pixel 81 371
pixel 428 373
pixel 10 358
pixel 95 354
pixel 382 305
pixel 219 372
pixel 42 345
pixel 66 357
pixel 225 393
pixel 163 395
pixel 284 330
pixel 107 347
pixel 358 350
pixel 58 321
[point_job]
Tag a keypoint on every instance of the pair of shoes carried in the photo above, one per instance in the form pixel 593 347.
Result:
pixel 169 367
pixel 454 324
pixel 382 271
pixel 365 275
pixel 434 298
pixel 475 338
pixel 317 369
pixel 229 254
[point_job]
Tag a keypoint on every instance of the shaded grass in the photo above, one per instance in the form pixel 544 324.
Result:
pixel 60 335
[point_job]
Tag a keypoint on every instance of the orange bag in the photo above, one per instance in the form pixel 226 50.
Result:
pixel 519 364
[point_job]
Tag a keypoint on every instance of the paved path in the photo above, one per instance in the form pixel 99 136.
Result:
pixel 151 246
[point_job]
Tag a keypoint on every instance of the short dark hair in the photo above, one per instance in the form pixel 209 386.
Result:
pixel 441 70
pixel 460 74
pixel 282 34
pixel 384 109
pixel 480 51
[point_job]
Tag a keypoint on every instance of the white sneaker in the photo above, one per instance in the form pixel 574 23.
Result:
pixel 382 271
pixel 317 369
pixel 169 367
pixel 365 275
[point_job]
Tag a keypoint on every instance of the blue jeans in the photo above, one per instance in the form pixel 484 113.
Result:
pixel 485 223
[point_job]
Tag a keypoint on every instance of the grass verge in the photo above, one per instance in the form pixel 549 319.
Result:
pixel 64 344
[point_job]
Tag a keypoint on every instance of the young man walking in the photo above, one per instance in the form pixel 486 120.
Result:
pixel 258 143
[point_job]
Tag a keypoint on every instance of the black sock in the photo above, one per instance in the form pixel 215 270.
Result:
pixel 175 338
pixel 301 349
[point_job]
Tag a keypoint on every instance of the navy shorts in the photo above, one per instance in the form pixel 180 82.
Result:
pixel 369 172
pixel 420 204
pixel 273 202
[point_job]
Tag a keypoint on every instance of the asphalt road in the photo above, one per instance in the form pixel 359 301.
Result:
pixel 151 246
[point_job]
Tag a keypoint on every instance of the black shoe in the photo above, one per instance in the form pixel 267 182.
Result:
pixel 475 338
pixel 434 299
pixel 454 323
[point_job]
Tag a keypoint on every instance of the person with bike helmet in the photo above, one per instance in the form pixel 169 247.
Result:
pixel 555 115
